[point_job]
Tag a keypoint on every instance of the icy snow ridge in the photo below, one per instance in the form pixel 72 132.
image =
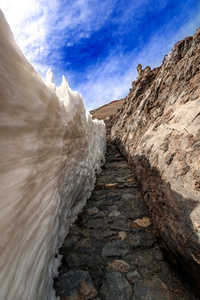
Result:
pixel 50 150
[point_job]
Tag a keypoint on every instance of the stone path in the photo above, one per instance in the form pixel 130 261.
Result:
pixel 111 251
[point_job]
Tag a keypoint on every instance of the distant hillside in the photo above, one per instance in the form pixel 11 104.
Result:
pixel 107 110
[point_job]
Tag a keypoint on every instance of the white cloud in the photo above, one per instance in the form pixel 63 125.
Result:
pixel 112 79
pixel 41 27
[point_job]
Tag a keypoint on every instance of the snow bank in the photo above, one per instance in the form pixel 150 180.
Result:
pixel 50 149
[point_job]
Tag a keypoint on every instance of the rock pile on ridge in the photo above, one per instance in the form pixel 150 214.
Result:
pixel 158 130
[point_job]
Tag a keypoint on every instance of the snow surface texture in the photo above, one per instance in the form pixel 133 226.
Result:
pixel 50 150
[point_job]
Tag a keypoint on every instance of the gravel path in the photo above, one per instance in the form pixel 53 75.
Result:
pixel 111 251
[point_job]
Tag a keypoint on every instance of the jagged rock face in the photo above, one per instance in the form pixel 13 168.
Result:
pixel 158 129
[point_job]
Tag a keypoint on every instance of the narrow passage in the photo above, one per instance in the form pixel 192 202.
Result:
pixel 111 251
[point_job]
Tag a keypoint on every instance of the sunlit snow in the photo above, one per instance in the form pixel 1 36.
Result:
pixel 50 149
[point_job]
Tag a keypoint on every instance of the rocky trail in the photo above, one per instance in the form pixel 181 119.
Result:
pixel 111 251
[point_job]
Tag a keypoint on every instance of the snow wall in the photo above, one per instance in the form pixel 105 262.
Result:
pixel 50 149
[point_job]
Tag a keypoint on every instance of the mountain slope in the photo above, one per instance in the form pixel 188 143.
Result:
pixel 158 130
pixel 107 110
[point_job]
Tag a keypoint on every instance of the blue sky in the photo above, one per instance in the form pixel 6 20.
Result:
pixel 97 45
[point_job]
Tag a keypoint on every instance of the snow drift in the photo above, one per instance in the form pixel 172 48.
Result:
pixel 50 151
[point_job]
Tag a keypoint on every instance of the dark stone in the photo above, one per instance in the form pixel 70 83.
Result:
pixel 97 223
pixel 119 226
pixel 89 257
pixel 153 289
pixel 141 239
pixel 76 284
pixel 116 287
pixel 69 242
pixel 120 223
pixel 71 260
pixel 116 248
pixel 100 234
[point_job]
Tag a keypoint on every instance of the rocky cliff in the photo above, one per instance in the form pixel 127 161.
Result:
pixel 158 129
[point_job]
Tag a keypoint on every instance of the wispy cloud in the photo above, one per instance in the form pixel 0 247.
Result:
pixel 40 26
pixel 98 44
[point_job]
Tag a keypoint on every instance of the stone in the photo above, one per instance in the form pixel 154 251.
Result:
pixel 86 232
pixel 92 210
pixel 132 276
pixel 110 186
pixel 70 241
pixel 134 225
pixel 113 208
pixel 86 242
pixel 71 260
pixel 131 180
pixel 127 196
pixel 122 235
pixel 159 255
pixel 114 214
pixel 119 266
pixel 157 130
pixel 153 289
pixel 141 239
pixel 97 223
pixel 90 259
pixel 100 234
pixel 139 69
pixel 116 287
pixel 117 248
pixel 120 223
pixel 144 222
pixel 76 285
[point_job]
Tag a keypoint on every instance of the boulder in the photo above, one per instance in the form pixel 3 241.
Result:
pixel 116 287
pixel 75 285
pixel 158 130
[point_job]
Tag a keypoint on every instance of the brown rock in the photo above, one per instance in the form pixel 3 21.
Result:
pixel 111 186
pixel 134 225
pixel 144 222
pixel 158 130
pixel 122 235
pixel 139 69
pixel 130 180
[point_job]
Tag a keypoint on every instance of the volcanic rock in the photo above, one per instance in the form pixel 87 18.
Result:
pixel 76 284
pixel 116 287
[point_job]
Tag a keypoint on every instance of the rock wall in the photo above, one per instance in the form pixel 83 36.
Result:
pixel 158 129
pixel 50 149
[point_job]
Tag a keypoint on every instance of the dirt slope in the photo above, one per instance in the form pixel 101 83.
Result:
pixel 107 110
